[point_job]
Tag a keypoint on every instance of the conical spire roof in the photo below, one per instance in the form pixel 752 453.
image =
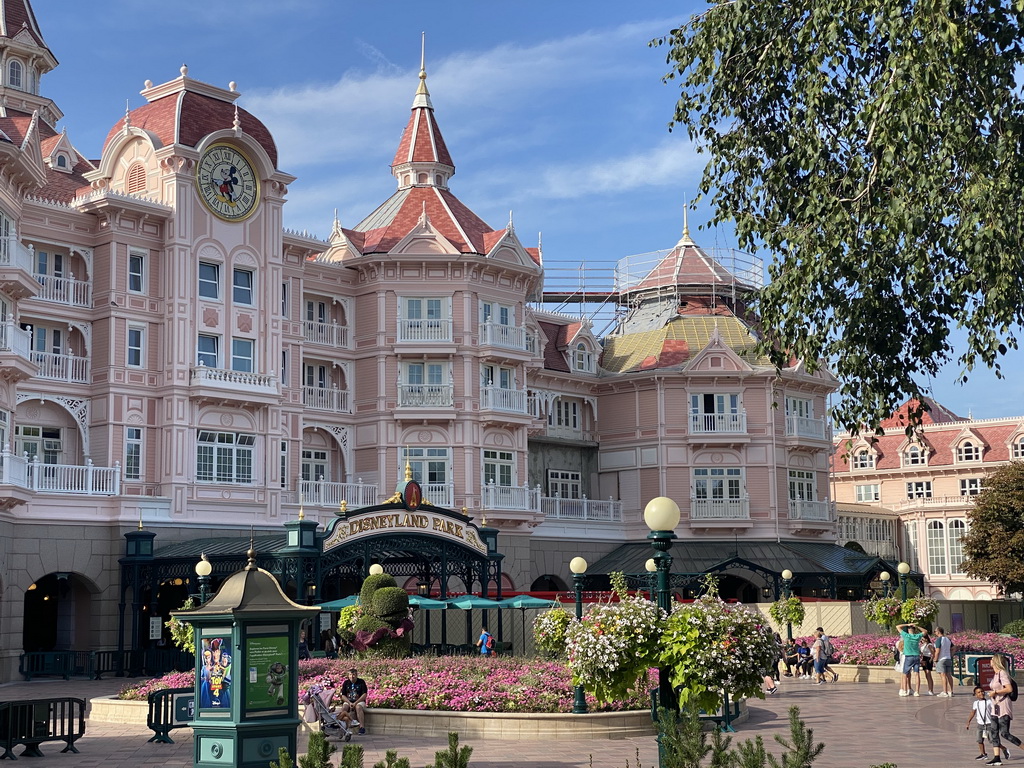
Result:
pixel 16 15
pixel 422 157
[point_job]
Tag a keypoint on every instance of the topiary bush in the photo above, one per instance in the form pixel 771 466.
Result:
pixel 371 584
pixel 384 629
pixel 390 603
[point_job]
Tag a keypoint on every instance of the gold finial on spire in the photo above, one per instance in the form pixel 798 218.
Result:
pixel 422 94
pixel 483 521
pixel 343 507
pixel 465 510
pixel 686 239
pixel 140 518
pixel 408 470
pixel 302 509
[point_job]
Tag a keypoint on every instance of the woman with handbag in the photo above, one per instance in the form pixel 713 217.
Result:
pixel 1002 704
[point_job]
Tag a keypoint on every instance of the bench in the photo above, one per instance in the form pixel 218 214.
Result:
pixel 34 722
pixel 170 708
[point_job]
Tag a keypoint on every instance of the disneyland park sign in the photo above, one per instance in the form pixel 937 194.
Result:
pixel 413 519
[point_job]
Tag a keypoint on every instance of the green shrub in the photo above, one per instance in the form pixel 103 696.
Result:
pixel 1015 628
pixel 391 604
pixel 371 584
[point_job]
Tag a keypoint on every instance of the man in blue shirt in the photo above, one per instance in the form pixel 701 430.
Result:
pixel 911 656
pixel 484 643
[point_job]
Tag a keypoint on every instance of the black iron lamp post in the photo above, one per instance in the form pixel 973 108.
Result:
pixel 904 569
pixel 203 570
pixel 787 586
pixel 578 566
pixel 662 516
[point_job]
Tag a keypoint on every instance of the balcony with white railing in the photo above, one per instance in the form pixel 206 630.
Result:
pixel 506 337
pixel 64 290
pixel 61 367
pixel 719 509
pixel 817 511
pixel 326 334
pixel 425 396
pixel 505 400
pixel 15 341
pixel 86 479
pixel 319 493
pixel 718 423
pixel 511 498
pixel 584 509
pixel 425 330
pixel 333 400
pixel 14 254
pixel 801 426
pixel 439 494
pixel 959 502
pixel 220 383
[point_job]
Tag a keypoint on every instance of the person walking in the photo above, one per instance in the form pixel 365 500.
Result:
pixel 911 655
pixel 818 656
pixel 928 662
pixel 944 661
pixel 985 722
pixel 828 651
pixel 1001 689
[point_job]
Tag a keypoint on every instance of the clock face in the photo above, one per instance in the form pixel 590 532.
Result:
pixel 227 183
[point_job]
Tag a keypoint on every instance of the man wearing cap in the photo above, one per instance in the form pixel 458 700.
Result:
pixel 826 643
pixel 353 700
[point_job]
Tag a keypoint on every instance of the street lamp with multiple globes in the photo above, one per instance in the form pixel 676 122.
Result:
pixel 578 566
pixel 904 569
pixel 662 516
pixel 203 570
pixel 884 577
pixel 787 585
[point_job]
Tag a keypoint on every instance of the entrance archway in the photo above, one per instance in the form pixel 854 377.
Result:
pixel 58 613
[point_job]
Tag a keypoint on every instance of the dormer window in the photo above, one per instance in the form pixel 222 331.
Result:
pixel 62 161
pixel 914 456
pixel 422 178
pixel 863 459
pixel 583 359
pixel 968 451
pixel 14 74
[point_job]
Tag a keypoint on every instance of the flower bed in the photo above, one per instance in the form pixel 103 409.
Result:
pixel 443 683
pixel 876 650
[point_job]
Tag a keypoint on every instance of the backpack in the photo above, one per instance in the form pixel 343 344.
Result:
pixel 827 647
pixel 490 642
pixel 1013 689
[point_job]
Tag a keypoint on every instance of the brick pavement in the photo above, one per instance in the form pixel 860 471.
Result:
pixel 862 725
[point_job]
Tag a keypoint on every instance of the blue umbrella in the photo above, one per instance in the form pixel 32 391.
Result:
pixel 472 602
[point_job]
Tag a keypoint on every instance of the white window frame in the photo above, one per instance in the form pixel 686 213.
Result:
pixel 971 486
pixel 565 484
pixel 210 355
pixel 967 452
pixel 719 483
pixel 499 467
pixel 136 346
pixel 15 74
pixel 209 285
pixel 863 459
pixel 136 272
pixel 133 453
pixel 500 376
pixel 566 413
pixel 919 489
pixel 243 294
pixel 915 456
pixel 429 465
pixel 955 545
pixel 1017 448
pixel 315 465
pixel 910 532
pixel 936 547
pixel 497 313
pixel 803 485
pixel 225 457
pixel 284 463
pixel 867 493
pixel 243 355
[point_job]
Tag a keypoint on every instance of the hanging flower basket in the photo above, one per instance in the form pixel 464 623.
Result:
pixel 883 610
pixel 549 630
pixel 788 610
pixel 920 610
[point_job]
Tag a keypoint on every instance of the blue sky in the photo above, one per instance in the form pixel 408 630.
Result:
pixel 554 110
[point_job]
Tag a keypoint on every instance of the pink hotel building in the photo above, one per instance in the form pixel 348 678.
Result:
pixel 172 357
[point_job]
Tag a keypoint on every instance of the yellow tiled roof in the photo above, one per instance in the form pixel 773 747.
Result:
pixel 627 353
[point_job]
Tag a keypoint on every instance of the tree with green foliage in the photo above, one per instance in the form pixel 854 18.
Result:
pixel 994 542
pixel 183 635
pixel 318 752
pixel 453 757
pixel 872 149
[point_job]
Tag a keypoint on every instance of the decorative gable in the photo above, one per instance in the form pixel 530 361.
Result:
pixel 717 356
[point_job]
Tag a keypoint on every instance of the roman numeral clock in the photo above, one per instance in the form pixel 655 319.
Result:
pixel 227 183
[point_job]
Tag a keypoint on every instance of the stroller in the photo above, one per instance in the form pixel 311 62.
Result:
pixel 331 725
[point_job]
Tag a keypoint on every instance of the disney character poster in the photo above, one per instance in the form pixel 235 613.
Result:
pixel 267 660
pixel 215 673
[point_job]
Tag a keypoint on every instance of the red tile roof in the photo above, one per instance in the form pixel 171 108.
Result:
pixel 942 444
pixel 934 413
pixel 399 215
pixel 16 126
pixel 557 335
pixel 64 187
pixel 18 13
pixel 685 265
pixel 422 141
pixel 197 116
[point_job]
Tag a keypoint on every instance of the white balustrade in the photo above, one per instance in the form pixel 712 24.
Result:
pixel 229 379
pixel 61 367
pixel 506 336
pixel 64 290
pixel 800 426
pixel 323 399
pixel 16 340
pixel 425 396
pixel 802 509
pixel 439 494
pixel 14 254
pixel 319 493
pixel 86 479
pixel 935 501
pixel 724 423
pixel 13 469
pixel 589 510
pixel 511 497
pixel 425 330
pixel 508 400
pixel 327 334
pixel 720 509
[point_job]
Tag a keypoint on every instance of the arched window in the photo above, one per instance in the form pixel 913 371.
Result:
pixel 14 72
pixel 438 180
pixel 957 529
pixel 914 456
pixel 936 548
pixel 864 459
pixel 62 161
pixel 582 357
pixel 1018 448
pixel 422 178
pixel 135 179
pixel 968 451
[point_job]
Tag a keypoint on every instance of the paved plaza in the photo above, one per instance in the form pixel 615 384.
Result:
pixel 862 725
